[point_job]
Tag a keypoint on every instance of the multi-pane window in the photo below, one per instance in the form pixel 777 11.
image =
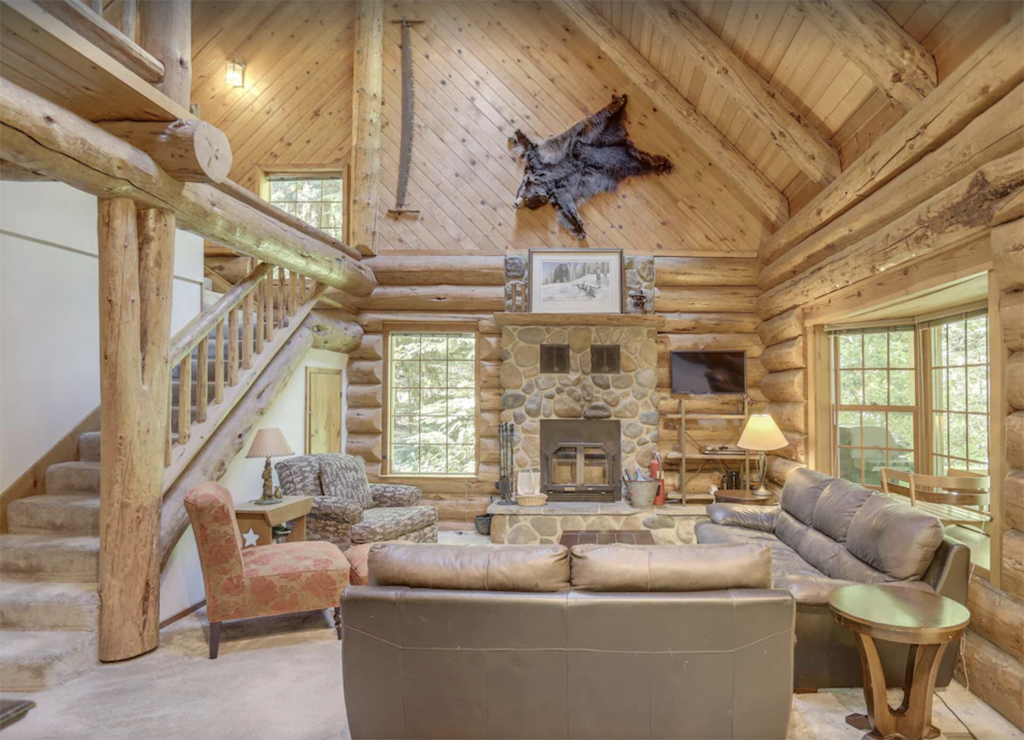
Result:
pixel 874 390
pixel 432 403
pixel 959 390
pixel 318 199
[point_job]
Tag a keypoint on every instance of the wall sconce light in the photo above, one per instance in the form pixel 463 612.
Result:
pixel 234 73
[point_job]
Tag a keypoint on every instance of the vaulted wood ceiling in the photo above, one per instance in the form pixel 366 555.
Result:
pixel 483 69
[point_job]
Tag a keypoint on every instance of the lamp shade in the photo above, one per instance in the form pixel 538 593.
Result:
pixel 270 442
pixel 762 434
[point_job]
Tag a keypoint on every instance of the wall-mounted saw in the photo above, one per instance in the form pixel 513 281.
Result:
pixel 405 153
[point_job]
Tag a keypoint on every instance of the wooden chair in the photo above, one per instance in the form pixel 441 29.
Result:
pixel 961 497
pixel 259 581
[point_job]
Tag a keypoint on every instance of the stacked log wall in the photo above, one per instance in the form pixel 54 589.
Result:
pixel 432 292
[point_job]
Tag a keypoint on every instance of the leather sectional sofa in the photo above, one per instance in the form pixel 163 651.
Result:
pixel 829 533
pixel 530 641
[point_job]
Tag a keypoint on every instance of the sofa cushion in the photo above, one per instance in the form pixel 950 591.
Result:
pixel 894 538
pixel 671 568
pixel 836 507
pixel 819 549
pixel 801 492
pixel 385 523
pixel 344 476
pixel 785 560
pixel 790 530
pixel 530 568
pixel 300 476
pixel 849 567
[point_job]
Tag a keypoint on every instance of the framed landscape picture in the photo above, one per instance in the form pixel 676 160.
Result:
pixel 575 281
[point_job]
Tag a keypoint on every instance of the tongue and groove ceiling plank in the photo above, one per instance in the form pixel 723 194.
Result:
pixel 484 69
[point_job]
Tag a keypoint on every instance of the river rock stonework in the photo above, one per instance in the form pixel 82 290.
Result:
pixel 528 396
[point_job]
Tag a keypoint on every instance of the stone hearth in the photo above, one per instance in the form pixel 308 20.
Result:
pixel 522 525
pixel 528 396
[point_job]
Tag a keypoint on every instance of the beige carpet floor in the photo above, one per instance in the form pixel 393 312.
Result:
pixel 281 678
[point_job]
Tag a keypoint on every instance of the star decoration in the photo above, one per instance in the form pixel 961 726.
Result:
pixel 251 538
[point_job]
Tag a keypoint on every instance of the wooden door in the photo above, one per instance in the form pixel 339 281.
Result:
pixel 323 410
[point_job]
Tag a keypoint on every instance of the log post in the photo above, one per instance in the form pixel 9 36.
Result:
pixel 367 104
pixel 136 258
pixel 166 32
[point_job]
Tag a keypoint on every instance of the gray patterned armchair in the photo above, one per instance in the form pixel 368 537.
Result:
pixel 347 509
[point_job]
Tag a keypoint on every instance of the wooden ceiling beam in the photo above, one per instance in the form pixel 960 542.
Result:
pixel 43 137
pixel 367 112
pixel 992 71
pixel 188 151
pixel 786 127
pixel 868 36
pixel 750 182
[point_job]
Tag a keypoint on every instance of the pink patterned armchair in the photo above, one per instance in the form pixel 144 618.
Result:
pixel 259 581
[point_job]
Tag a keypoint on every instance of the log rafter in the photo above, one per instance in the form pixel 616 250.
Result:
pixel 785 126
pixel 711 143
pixel 868 36
pixel 991 72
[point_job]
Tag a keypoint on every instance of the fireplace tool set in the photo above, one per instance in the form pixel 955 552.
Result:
pixel 506 433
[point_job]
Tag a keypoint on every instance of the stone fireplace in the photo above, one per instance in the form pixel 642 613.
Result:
pixel 628 397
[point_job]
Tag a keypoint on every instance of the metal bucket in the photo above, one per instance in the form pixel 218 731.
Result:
pixel 642 492
pixel 482 523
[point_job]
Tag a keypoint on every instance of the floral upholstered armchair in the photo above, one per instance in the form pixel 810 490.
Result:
pixel 347 509
pixel 259 581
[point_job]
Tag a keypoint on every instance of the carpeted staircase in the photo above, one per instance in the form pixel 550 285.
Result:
pixel 48 571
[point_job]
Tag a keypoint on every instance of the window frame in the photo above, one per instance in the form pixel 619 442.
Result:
pixel 403 327
pixel 925 457
pixel 269 173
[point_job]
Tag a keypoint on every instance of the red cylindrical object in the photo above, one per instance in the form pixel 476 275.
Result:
pixel 655 468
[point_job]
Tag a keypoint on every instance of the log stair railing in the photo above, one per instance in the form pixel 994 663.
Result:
pixel 217 357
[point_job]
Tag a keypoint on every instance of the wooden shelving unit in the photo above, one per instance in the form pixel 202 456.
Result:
pixel 683 456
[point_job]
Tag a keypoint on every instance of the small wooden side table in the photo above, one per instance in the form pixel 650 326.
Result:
pixel 259 520
pixel 739 496
pixel 925 621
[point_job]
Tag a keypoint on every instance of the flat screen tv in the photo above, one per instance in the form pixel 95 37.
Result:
pixel 709 372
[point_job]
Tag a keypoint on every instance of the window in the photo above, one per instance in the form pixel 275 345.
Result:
pixel 875 389
pixel 912 398
pixel 432 403
pixel 959 389
pixel 316 198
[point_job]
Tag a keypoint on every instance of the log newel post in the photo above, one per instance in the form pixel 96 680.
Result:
pixel 165 31
pixel 136 260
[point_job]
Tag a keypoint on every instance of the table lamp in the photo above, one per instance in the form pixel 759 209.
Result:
pixel 269 442
pixel 761 434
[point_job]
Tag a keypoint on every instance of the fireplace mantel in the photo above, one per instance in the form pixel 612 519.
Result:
pixel 652 321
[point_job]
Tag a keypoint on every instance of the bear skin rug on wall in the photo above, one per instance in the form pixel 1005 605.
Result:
pixel 592 157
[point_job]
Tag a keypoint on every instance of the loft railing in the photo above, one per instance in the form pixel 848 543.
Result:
pixel 239 336
pixel 88 22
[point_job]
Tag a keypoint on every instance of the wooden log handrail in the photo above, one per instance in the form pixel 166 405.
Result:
pixel 91 26
pixel 272 302
pixel 188 337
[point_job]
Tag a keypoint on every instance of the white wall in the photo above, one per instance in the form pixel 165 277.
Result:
pixel 181 584
pixel 49 315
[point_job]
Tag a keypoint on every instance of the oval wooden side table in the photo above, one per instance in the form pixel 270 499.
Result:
pixel 925 621
pixel 738 496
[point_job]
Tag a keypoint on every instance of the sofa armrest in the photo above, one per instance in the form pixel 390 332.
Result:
pixel 744 515
pixel 332 507
pixel 392 495
pixel 816 589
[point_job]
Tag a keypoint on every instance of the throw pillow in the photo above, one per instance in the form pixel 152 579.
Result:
pixel 344 476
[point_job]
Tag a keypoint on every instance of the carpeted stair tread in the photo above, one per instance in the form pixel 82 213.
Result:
pixel 50 558
pixel 57 514
pixel 33 661
pixel 89 447
pixel 30 605
pixel 73 477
